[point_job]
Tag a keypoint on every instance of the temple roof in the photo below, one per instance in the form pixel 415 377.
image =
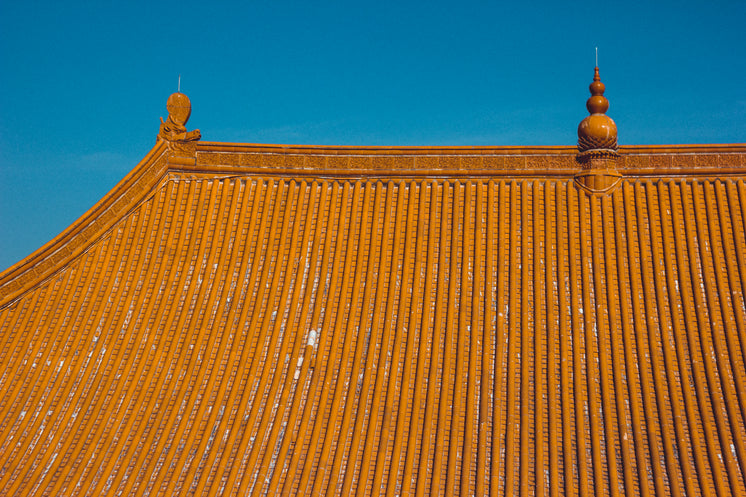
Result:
pixel 265 319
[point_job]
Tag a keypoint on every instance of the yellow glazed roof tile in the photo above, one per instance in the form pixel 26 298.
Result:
pixel 229 322
pixel 296 335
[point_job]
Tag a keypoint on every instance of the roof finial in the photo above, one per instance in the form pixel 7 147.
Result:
pixel 597 143
pixel 173 129
pixel 178 88
pixel 597 132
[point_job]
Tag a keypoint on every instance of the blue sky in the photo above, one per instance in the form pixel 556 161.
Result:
pixel 82 86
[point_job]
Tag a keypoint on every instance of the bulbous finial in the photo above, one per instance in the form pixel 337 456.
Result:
pixel 173 129
pixel 179 108
pixel 597 132
pixel 597 104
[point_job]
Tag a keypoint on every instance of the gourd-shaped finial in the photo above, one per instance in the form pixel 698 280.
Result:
pixel 597 132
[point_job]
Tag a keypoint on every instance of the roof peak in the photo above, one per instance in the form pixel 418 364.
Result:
pixel 597 103
pixel 173 129
pixel 597 132
pixel 597 142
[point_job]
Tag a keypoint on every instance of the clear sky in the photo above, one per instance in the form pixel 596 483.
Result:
pixel 83 84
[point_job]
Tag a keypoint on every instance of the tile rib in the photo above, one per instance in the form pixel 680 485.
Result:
pixel 732 258
pixel 427 482
pixel 258 358
pixel 15 377
pixel 667 340
pixel 259 253
pixel 340 416
pixel 549 236
pixel 539 299
pixel 316 351
pixel 442 420
pixel 386 474
pixel 303 349
pixel 324 425
pixel 566 316
pixel 452 365
pixel 373 467
pixel 158 228
pixel 21 421
pixel 165 278
pixel 590 331
pixel 227 293
pixel 737 201
pixel 171 339
pixel 81 392
pixel 687 278
pixel 371 296
pixel 217 335
pixel 297 314
pixel 274 327
pixel 254 225
pixel 491 396
pixel 481 303
pixel 173 336
pixel 614 258
pixel 731 378
pixel 527 483
pixel 602 340
pixel 513 326
pixel 694 482
pixel 181 360
pixel 578 328
pixel 406 426
pixel 340 339
pixel 717 371
pixel 12 386
pixel 106 322
pixel 468 345
pixel 419 319
pixel 271 334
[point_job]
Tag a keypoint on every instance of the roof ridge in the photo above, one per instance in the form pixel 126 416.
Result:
pixel 47 260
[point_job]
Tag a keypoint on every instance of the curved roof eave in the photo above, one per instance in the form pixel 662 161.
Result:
pixel 49 258
pixel 346 161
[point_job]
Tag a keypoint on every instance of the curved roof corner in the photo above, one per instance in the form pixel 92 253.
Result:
pixel 89 227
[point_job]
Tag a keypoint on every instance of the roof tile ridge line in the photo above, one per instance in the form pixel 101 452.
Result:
pixel 680 149
pixel 371 174
pixel 301 149
pixel 369 153
pixel 688 153
pixel 55 249
pixel 288 149
pixel 83 247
